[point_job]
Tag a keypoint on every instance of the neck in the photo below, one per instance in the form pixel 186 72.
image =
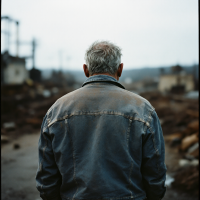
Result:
pixel 114 76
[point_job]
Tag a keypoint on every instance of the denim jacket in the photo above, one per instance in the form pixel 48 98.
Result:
pixel 101 142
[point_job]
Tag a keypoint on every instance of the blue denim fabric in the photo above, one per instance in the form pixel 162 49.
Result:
pixel 101 142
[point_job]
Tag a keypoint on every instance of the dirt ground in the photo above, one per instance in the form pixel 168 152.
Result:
pixel 18 169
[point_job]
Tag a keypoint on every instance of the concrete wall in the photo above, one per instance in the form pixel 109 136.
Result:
pixel 168 81
pixel 15 74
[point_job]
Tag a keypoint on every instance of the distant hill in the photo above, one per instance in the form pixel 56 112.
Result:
pixel 134 74
pixel 78 74
pixel 143 73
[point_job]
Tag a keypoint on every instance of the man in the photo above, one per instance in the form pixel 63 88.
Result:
pixel 101 141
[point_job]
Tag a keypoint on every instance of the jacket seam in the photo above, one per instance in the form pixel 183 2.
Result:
pixel 45 143
pixel 130 177
pixel 44 148
pixel 154 144
pixel 98 113
pixel 128 134
pixel 40 170
pixel 149 118
pixel 74 160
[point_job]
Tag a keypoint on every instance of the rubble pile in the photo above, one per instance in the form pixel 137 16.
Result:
pixel 187 179
pixel 179 117
pixel 24 106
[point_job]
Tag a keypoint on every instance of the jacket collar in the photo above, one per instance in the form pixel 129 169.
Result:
pixel 103 78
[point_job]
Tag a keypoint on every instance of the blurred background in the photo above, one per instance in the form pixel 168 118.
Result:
pixel 42 52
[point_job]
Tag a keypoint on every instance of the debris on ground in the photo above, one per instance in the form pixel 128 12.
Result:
pixel 9 125
pixel 16 146
pixel 179 117
pixel 169 180
pixel 4 139
pixel 187 179
pixel 24 106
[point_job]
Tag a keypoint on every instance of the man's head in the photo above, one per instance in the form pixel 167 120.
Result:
pixel 103 58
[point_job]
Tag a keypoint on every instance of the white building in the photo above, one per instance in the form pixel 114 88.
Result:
pixel 168 81
pixel 13 70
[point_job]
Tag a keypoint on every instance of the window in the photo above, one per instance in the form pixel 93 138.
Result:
pixel 16 72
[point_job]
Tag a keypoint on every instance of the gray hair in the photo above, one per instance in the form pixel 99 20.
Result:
pixel 103 57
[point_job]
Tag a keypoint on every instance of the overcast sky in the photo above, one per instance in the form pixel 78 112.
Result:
pixel 151 33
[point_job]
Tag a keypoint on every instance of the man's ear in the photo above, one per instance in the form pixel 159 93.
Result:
pixel 120 68
pixel 86 71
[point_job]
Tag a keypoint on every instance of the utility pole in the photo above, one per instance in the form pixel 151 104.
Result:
pixel 7 32
pixel 17 39
pixel 33 52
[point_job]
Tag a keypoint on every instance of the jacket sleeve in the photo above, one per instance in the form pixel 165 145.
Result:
pixel 48 178
pixel 153 166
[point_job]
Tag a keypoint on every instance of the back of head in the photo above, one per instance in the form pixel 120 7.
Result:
pixel 103 57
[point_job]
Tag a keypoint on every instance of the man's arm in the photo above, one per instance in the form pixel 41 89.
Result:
pixel 48 178
pixel 153 166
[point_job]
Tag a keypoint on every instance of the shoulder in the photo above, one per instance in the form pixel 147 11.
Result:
pixel 64 98
pixel 139 100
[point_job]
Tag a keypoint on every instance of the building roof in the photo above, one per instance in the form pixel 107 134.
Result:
pixel 7 59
